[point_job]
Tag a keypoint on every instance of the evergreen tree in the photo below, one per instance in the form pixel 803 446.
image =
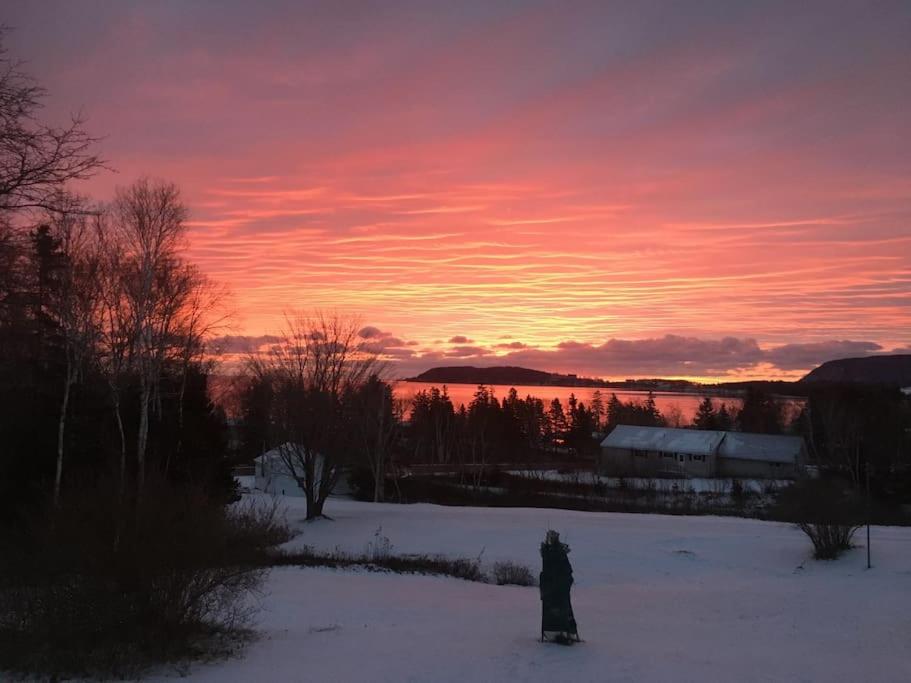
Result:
pixel 614 411
pixel 652 415
pixel 557 420
pixel 572 403
pixel 580 433
pixel 760 413
pixel 723 419
pixel 705 417
pixel 597 408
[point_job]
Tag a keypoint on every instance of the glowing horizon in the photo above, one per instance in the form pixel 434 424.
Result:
pixel 710 192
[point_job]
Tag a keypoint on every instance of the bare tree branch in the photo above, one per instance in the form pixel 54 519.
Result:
pixel 37 160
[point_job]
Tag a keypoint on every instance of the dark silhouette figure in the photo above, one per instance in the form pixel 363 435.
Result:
pixel 557 621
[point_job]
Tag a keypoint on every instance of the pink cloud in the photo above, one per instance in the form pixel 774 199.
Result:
pixel 675 186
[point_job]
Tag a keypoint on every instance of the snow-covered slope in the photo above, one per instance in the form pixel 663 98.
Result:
pixel 657 598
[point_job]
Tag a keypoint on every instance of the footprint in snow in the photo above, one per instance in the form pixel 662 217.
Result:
pixel 325 629
pixel 684 553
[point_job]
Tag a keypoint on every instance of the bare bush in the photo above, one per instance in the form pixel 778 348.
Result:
pixel 827 512
pixel 84 593
pixel 468 569
pixel 465 568
pixel 380 547
pixel 256 524
pixel 829 540
pixel 511 573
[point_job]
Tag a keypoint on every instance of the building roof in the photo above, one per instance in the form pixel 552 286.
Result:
pixel 664 439
pixel 271 462
pixel 275 461
pixel 765 447
pixel 735 445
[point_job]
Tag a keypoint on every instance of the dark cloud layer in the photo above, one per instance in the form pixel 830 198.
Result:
pixel 667 356
pixel 235 344
pixel 512 345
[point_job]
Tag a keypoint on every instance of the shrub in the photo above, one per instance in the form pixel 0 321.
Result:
pixel 102 588
pixel 826 511
pixel 256 524
pixel 829 540
pixel 468 569
pixel 361 483
pixel 464 568
pixel 513 574
pixel 380 547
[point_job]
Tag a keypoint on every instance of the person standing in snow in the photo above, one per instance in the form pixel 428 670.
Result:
pixel 557 621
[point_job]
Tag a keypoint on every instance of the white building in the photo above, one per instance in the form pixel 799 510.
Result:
pixel 663 451
pixel 272 474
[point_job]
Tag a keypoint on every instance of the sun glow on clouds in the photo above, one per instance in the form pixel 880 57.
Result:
pixel 525 177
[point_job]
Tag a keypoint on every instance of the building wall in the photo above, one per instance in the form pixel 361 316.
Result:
pixel 623 462
pixel 628 463
pixel 756 469
pixel 280 485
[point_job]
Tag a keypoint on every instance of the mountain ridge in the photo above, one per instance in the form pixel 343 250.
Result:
pixel 519 376
pixel 893 369
pixel 887 370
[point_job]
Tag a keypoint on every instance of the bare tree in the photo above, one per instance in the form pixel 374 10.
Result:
pixel 116 332
pixel 160 305
pixel 376 419
pixel 841 432
pixel 76 306
pixel 36 160
pixel 318 362
pixel 201 317
pixel 12 263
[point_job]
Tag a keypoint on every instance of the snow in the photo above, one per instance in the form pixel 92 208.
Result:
pixel 246 482
pixel 657 598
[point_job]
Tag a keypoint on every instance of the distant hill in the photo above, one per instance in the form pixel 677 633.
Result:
pixel 885 370
pixel 892 370
pixel 516 376
pixel 466 374
pixel 777 387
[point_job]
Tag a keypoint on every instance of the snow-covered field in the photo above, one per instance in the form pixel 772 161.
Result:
pixel 657 598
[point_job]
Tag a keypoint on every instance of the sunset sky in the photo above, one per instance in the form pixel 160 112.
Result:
pixel 688 189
